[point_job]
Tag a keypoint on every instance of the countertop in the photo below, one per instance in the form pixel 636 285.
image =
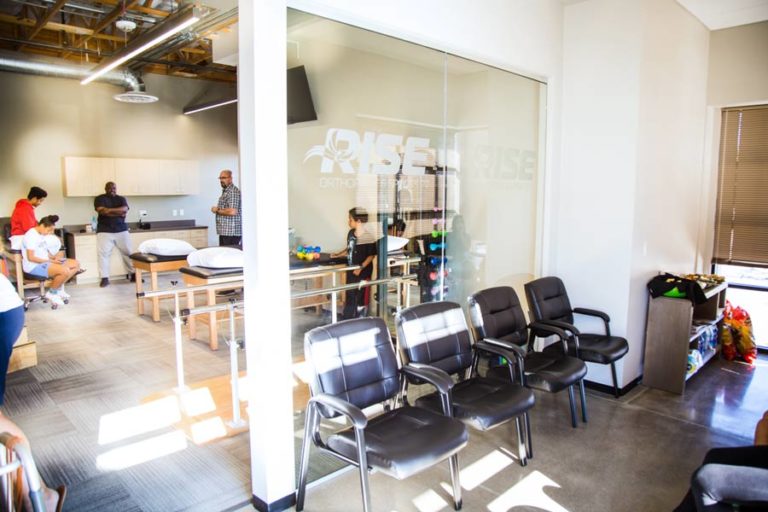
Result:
pixel 158 225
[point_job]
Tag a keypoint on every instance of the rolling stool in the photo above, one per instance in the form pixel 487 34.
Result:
pixel 31 278
pixel 24 280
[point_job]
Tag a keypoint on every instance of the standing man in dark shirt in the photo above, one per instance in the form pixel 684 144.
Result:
pixel 112 231
pixel 227 210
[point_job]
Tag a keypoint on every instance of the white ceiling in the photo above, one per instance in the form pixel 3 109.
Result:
pixel 717 14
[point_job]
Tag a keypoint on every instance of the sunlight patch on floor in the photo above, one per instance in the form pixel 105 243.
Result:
pixel 528 492
pixel 138 420
pixel 142 451
pixel 197 402
pixel 484 469
pixel 208 430
pixel 429 501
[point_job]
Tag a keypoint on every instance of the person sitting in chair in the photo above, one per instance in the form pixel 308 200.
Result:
pixel 732 476
pixel 23 219
pixel 38 261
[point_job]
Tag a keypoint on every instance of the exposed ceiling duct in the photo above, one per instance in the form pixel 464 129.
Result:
pixel 24 63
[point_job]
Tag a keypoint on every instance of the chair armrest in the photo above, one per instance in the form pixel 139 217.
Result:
pixel 551 330
pixel 562 325
pixel 494 343
pixel 343 407
pixel 506 350
pixel 593 312
pixel 435 376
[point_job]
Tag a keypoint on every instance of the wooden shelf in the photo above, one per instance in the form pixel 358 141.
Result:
pixel 673 328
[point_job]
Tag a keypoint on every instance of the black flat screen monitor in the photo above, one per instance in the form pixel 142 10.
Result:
pixel 300 106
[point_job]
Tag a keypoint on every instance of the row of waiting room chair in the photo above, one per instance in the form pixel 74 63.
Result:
pixel 355 367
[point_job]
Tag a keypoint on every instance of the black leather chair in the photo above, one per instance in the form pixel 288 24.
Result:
pixel 354 367
pixel 548 303
pixel 496 313
pixel 436 334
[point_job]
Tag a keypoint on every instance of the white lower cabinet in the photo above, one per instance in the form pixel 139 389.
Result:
pixel 87 253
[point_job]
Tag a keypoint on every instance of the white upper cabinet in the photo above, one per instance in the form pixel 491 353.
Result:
pixel 86 176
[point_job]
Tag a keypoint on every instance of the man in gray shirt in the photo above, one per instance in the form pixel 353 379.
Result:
pixel 112 231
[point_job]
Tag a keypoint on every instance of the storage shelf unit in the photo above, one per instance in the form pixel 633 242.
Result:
pixel 674 327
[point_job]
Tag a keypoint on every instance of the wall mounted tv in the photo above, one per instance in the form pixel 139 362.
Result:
pixel 300 106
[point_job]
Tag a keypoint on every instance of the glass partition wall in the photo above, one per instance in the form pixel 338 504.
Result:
pixel 435 156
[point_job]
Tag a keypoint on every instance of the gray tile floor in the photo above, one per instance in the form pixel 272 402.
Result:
pixel 96 357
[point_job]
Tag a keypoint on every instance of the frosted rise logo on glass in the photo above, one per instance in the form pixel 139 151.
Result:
pixel 370 154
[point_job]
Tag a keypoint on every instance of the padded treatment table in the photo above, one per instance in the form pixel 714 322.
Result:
pixel 225 279
pixel 312 273
pixel 153 264
pixel 232 278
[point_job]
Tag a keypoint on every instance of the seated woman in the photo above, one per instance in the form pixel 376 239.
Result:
pixel 731 476
pixel 39 261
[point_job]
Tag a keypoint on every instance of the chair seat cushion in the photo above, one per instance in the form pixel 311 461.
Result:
pixel 484 403
pixel 33 277
pixel 595 348
pixel 546 371
pixel 402 442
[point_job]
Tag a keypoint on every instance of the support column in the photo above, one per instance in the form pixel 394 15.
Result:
pixel 264 186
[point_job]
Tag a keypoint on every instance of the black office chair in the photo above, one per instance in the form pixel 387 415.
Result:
pixel 548 302
pixel 354 367
pixel 496 313
pixel 436 334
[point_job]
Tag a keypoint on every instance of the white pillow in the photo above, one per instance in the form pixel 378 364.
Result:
pixel 395 243
pixel 216 257
pixel 166 247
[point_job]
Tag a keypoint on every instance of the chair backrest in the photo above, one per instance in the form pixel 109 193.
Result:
pixel 5 230
pixel 353 360
pixel 548 300
pixel 435 333
pixel 497 313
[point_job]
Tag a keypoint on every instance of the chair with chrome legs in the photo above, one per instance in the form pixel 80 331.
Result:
pixel 354 367
pixel 435 334
pixel 496 314
pixel 549 304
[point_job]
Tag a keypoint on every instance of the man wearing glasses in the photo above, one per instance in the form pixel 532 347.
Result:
pixel 227 210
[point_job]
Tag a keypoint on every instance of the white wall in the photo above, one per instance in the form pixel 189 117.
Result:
pixel 631 176
pixel 670 177
pixel 738 66
pixel 47 118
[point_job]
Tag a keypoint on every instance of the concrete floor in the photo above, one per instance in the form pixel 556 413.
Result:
pixel 635 454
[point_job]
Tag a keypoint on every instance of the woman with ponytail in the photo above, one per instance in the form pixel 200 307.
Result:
pixel 38 261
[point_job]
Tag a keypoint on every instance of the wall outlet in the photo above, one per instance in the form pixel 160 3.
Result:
pixel 181 212
pixel 175 213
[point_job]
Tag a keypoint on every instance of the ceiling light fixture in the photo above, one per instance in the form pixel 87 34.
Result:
pixel 207 106
pixel 145 41
pixel 125 25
